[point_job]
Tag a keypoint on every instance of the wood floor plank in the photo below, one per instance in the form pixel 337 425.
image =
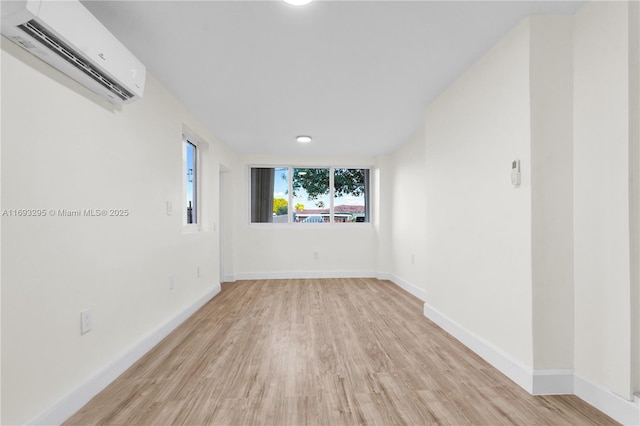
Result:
pixel 319 352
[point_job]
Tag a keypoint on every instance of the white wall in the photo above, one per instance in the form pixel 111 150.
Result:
pixel 287 250
pixel 560 94
pixel 601 196
pixel 227 219
pixel 408 229
pixel 478 225
pixel 384 181
pixel 634 189
pixel 544 277
pixel 551 191
pixel 65 148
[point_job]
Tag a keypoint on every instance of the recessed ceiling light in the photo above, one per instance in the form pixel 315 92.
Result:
pixel 303 139
pixel 298 2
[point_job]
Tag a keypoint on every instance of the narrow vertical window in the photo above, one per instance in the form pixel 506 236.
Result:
pixel 191 170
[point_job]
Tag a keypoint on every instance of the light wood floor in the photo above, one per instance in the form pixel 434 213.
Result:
pixel 320 352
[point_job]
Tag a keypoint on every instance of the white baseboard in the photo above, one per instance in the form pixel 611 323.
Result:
pixel 71 403
pixel 552 382
pixel 283 275
pixel 229 278
pixel 541 382
pixel 510 367
pixel 405 285
pixel 616 407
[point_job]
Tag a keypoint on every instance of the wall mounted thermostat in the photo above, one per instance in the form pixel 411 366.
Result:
pixel 515 172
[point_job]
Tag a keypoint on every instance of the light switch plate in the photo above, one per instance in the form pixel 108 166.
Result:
pixel 86 322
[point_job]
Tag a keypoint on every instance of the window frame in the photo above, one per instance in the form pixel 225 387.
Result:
pixel 290 223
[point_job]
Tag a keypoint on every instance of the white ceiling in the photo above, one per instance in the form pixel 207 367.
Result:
pixel 355 75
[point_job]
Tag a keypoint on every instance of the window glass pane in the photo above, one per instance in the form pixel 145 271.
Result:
pixel 311 195
pixel 281 195
pixel 192 175
pixel 350 190
pixel 269 194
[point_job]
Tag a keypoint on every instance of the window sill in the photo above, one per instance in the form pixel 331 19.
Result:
pixel 191 229
pixel 318 226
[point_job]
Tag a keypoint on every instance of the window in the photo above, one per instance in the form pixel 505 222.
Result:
pixel 351 195
pixel 309 195
pixel 311 189
pixel 191 181
pixel 269 200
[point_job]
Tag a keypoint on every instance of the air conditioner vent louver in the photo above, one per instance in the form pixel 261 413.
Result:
pixel 37 31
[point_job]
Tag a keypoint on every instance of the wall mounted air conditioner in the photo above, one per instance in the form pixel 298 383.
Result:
pixel 67 36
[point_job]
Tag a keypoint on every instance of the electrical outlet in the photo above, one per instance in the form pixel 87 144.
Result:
pixel 316 256
pixel 172 282
pixel 86 322
pixel 169 208
pixel 198 271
